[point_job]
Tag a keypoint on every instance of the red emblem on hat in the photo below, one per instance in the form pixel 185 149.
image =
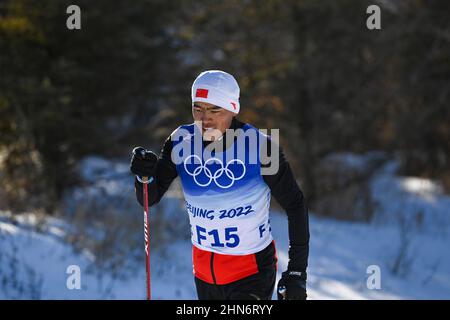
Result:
pixel 234 105
pixel 201 93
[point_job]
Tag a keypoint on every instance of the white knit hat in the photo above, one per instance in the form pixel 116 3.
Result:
pixel 218 88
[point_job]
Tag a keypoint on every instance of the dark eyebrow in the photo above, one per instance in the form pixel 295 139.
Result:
pixel 212 108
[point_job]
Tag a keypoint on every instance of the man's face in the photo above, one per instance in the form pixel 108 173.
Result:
pixel 211 119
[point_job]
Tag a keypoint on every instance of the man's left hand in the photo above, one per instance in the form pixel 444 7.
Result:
pixel 292 286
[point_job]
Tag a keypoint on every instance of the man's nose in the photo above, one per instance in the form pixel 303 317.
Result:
pixel 206 116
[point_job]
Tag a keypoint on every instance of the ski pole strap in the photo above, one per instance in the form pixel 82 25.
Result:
pixel 145 180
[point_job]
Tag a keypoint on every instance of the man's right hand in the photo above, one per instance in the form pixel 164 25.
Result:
pixel 143 162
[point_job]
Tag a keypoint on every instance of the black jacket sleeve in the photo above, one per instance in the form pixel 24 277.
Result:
pixel 286 191
pixel 165 173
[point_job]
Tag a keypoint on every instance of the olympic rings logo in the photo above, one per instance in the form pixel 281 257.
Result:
pixel 216 175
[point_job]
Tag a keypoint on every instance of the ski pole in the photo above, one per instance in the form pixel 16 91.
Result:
pixel 147 236
pixel 145 181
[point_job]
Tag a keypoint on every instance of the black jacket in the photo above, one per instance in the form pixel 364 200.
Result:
pixel 283 187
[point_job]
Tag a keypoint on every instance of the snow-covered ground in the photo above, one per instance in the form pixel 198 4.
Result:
pixel 413 258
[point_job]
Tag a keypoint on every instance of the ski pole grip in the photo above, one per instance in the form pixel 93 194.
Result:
pixel 141 153
pixel 282 292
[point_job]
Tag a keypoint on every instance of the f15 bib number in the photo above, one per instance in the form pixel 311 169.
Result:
pixel 229 238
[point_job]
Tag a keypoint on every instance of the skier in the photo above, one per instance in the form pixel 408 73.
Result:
pixel 227 198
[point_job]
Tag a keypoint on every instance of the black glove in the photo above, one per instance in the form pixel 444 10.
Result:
pixel 143 162
pixel 292 286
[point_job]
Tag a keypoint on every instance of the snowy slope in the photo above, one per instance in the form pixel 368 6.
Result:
pixel 33 265
pixel 341 252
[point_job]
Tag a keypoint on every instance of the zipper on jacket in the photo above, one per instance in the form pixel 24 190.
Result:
pixel 212 268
